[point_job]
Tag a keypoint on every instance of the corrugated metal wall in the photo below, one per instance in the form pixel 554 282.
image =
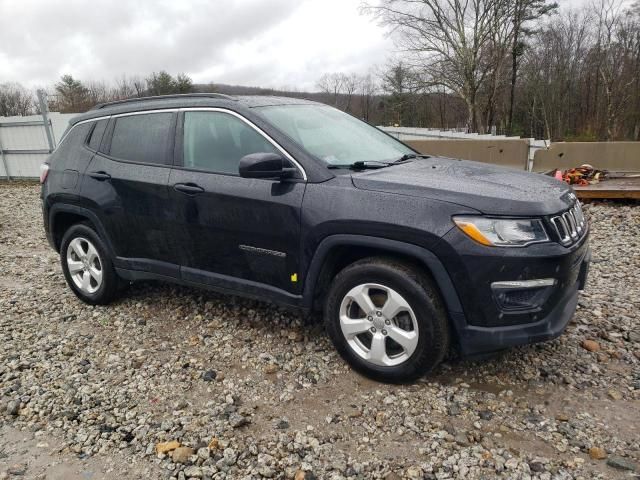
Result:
pixel 30 137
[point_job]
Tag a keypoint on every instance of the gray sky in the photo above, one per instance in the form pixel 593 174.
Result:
pixel 276 43
pixel 251 42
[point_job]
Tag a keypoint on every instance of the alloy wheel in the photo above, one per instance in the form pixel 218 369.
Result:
pixel 379 324
pixel 85 265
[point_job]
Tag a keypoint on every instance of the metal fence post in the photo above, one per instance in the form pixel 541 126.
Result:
pixel 4 162
pixel 44 111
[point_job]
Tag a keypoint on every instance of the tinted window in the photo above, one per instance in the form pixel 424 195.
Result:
pixel 143 138
pixel 96 134
pixel 216 141
pixel 71 143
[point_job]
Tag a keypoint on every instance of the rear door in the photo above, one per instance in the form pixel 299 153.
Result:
pixel 233 227
pixel 127 181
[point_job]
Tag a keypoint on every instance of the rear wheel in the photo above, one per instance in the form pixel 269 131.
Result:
pixel 87 266
pixel 387 320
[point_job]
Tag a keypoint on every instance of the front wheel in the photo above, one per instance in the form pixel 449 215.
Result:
pixel 386 320
pixel 87 266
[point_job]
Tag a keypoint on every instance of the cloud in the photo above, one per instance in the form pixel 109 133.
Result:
pixel 252 42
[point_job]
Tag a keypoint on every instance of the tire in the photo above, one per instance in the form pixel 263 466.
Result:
pixel 404 305
pixel 83 253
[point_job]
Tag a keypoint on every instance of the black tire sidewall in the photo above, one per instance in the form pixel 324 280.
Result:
pixel 105 293
pixel 431 319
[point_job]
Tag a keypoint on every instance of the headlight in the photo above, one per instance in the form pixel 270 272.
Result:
pixel 501 232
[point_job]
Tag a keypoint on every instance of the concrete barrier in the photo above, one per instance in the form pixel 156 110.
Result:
pixel 507 153
pixel 615 156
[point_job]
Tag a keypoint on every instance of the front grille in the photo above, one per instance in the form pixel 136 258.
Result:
pixel 570 225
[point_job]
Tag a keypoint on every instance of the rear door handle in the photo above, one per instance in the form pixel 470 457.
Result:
pixel 101 176
pixel 188 188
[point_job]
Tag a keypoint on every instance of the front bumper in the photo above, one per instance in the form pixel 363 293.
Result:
pixel 481 340
pixel 485 326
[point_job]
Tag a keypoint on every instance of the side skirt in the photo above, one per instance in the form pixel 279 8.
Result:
pixel 217 283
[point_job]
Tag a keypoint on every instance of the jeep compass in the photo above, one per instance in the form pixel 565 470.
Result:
pixel 291 201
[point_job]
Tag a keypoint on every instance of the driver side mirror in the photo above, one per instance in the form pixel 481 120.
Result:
pixel 265 165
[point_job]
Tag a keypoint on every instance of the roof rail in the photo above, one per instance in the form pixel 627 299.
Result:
pixel 221 96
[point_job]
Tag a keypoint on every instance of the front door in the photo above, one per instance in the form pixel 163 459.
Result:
pixel 232 227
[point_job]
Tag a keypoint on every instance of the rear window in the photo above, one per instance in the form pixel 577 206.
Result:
pixel 144 138
pixel 74 139
pixel 96 134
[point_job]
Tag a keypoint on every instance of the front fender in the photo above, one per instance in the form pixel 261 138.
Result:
pixel 425 257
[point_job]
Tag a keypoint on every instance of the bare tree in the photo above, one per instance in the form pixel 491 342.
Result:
pixel 15 100
pixel 502 32
pixel 616 49
pixel 446 40
pixel 523 13
pixel 331 84
pixel 349 86
pixel 368 88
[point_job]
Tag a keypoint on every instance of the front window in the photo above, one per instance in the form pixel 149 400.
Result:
pixel 216 141
pixel 334 136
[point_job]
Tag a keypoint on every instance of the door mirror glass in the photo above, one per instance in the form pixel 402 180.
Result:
pixel 264 165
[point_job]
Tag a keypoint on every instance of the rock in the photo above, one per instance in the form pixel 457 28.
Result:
pixel 17 469
pixel 597 453
pixel 304 475
pixel 354 413
pixel 485 415
pixel 13 407
pixel 454 410
pixel 414 472
pixel 166 447
pixel 537 467
pixel 204 453
pixel 193 471
pixel 621 463
pixel 236 420
pixel 209 376
pixel 590 345
pixel 271 368
pixel 392 476
pixel 182 455
pixel 511 464
pixel 282 424
pixel 229 456
pixel 614 394
pixel 461 439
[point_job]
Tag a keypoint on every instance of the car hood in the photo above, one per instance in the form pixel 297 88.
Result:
pixel 487 188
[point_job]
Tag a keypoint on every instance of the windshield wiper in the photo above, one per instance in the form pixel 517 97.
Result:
pixel 362 165
pixel 408 156
pixel 372 164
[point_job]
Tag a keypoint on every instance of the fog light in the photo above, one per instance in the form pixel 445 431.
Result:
pixel 520 295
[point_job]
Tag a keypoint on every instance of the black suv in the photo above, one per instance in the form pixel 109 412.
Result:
pixel 298 203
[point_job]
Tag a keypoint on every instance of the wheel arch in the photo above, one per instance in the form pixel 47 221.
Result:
pixel 63 216
pixel 337 251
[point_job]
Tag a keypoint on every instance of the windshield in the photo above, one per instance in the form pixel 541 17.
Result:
pixel 332 135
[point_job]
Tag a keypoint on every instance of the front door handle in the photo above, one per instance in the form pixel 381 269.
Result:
pixel 188 188
pixel 101 176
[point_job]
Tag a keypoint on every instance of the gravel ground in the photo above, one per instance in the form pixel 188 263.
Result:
pixel 172 382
